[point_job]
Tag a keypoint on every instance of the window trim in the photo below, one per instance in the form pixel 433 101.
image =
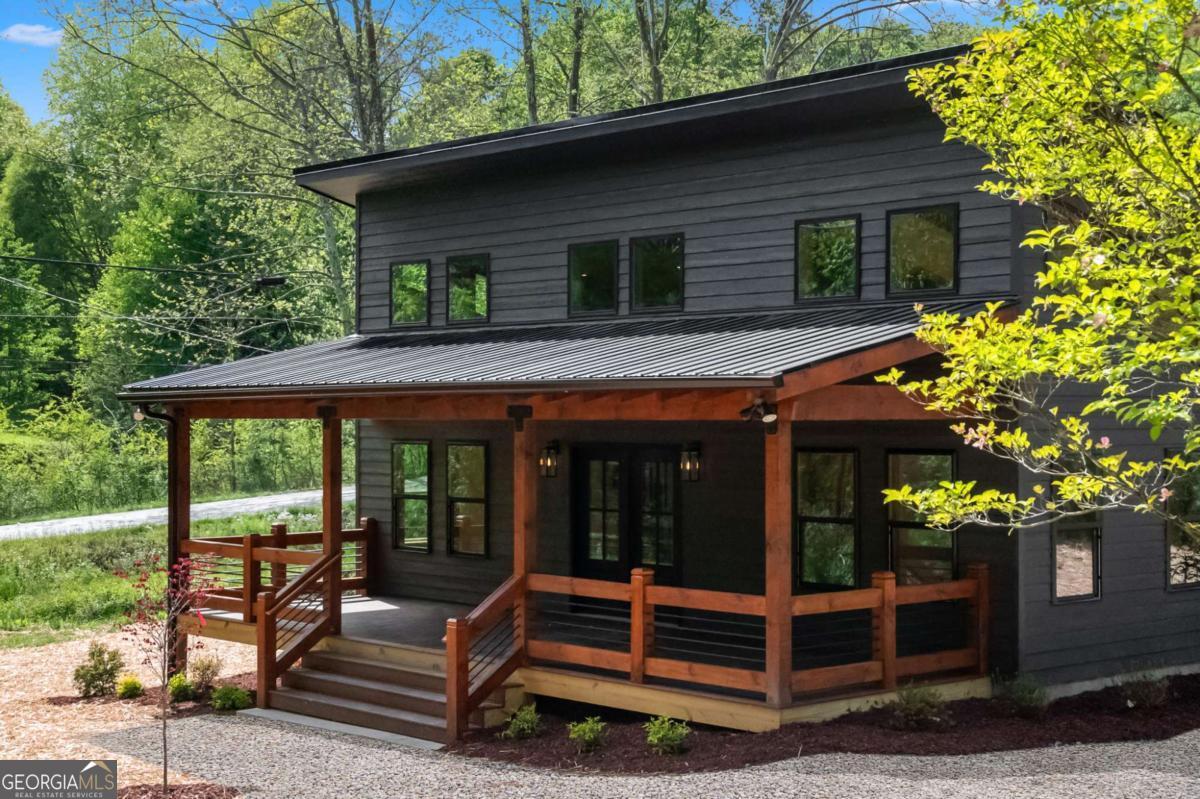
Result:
pixel 486 501
pixel 487 267
pixel 891 525
pixel 1097 564
pixel 856 522
pixel 392 323
pixel 397 543
pixel 953 288
pixel 853 295
pixel 634 308
pixel 616 280
pixel 1173 587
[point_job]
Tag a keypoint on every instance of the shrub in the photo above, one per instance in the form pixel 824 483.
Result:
pixel 525 723
pixel 97 676
pixel 1023 696
pixel 204 670
pixel 919 708
pixel 230 697
pixel 129 687
pixel 1145 692
pixel 180 688
pixel 587 734
pixel 665 736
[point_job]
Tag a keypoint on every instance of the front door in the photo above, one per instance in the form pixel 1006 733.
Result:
pixel 626 511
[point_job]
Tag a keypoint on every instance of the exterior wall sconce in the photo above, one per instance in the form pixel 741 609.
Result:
pixel 689 462
pixel 548 460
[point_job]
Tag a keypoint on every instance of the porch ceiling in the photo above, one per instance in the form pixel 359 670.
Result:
pixel 736 350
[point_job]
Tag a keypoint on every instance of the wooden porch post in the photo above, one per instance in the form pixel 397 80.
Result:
pixel 524 499
pixel 883 627
pixel 331 504
pixel 641 623
pixel 778 551
pixel 179 506
pixel 980 612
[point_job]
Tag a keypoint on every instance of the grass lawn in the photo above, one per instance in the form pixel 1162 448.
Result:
pixel 57 587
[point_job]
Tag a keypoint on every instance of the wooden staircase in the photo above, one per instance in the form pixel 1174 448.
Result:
pixel 397 689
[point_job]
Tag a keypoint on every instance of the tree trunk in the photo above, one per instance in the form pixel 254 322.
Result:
pixel 531 94
pixel 333 264
pixel 576 58
pixel 654 31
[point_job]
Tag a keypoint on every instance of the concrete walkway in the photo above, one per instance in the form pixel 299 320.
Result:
pixel 205 510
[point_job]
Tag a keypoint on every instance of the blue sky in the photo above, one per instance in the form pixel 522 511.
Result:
pixel 27 36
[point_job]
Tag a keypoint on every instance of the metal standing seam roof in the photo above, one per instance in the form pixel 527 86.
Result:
pixel 747 349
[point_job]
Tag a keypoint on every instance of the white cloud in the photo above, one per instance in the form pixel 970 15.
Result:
pixel 36 35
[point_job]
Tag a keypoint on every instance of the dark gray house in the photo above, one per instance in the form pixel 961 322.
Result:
pixel 619 438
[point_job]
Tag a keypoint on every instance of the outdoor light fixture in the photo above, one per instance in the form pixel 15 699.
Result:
pixel 689 462
pixel 762 411
pixel 548 460
pixel 139 413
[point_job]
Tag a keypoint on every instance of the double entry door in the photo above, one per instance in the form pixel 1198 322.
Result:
pixel 625 501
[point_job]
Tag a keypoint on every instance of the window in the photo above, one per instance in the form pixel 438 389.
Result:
pixel 825 514
pixel 1077 558
pixel 922 249
pixel 657 520
pixel 466 498
pixel 467 282
pixel 1183 542
pixel 920 554
pixel 827 258
pixel 410 496
pixel 657 265
pixel 410 293
pixel 604 510
pixel 593 274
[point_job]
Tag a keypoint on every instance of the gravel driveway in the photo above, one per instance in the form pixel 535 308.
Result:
pixel 270 759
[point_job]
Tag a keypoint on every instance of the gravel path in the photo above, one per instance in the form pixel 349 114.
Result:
pixel 220 509
pixel 269 759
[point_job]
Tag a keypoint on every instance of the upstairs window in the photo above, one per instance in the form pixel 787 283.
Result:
pixel 922 249
pixel 1183 540
pixel 467 281
pixel 593 275
pixel 825 516
pixel 920 554
pixel 657 266
pixel 410 496
pixel 1077 558
pixel 410 293
pixel 827 258
pixel 466 497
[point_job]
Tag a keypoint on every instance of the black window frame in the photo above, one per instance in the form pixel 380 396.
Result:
pixel 397 541
pixel 1078 522
pixel 1170 586
pixel 616 279
pixel 486 501
pixel 634 307
pixel 392 323
pixel 953 288
pixel 892 525
pixel 853 295
pixel 855 522
pixel 487 269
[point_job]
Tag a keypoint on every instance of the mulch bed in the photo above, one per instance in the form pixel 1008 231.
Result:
pixel 978 726
pixel 153 694
pixel 190 790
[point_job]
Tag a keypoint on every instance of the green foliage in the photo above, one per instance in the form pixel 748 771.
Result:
pixel 665 735
pixel 525 723
pixel 1023 696
pixel 203 671
pixel 1145 693
pixel 918 707
pixel 588 734
pixel 97 675
pixel 180 688
pixel 129 687
pixel 230 697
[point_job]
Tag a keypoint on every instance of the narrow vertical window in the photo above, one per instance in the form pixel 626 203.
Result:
pixel 410 293
pixel 466 498
pixel 657 511
pixel 825 517
pixel 1077 558
pixel 657 271
pixel 922 249
pixel 410 496
pixel 827 258
pixel 604 510
pixel 920 554
pixel 1183 536
pixel 593 277
pixel 467 281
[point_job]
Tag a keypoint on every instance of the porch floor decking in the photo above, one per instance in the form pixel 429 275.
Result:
pixel 399 620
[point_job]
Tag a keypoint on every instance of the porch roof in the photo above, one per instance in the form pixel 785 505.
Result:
pixel 743 350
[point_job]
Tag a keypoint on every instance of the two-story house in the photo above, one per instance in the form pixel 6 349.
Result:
pixel 619 439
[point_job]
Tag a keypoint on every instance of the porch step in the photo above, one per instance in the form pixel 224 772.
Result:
pixel 378 670
pixel 362 714
pixel 388 694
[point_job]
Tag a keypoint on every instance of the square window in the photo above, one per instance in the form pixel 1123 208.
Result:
pixel 593 275
pixel 825 504
pixel 1077 558
pixel 467 281
pixel 920 553
pixel 410 496
pixel 922 249
pixel 466 498
pixel 410 293
pixel 827 258
pixel 657 266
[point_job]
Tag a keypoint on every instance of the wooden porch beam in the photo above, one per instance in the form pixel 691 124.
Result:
pixel 778 554
pixel 848 367
pixel 858 403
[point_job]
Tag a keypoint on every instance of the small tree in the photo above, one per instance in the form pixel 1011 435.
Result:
pixel 163 597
